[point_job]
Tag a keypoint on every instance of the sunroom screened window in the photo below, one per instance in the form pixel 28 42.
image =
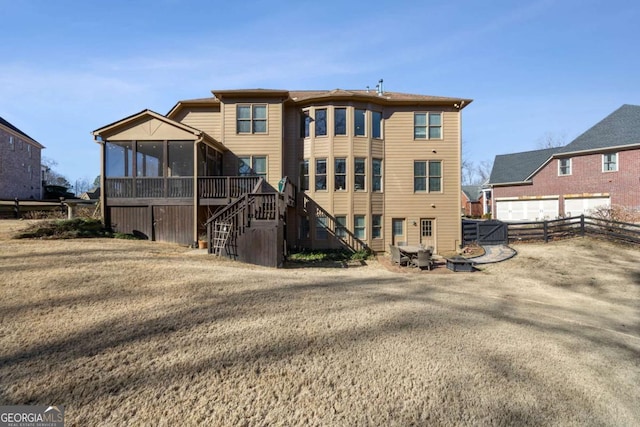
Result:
pixel 150 158
pixel 180 155
pixel 118 159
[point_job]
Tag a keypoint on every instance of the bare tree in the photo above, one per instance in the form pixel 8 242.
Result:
pixel 52 176
pixel 552 140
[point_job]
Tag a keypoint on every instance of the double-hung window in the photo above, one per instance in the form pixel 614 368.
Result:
pixel 304 175
pixel 321 227
pixel 340 174
pixel 340 121
pixel 341 226
pixel 12 144
pixel 321 122
pixel 564 167
pixel 376 226
pixel 376 124
pixel 376 185
pixel 251 118
pixel 253 166
pixel 305 122
pixel 359 227
pixel 321 174
pixel 359 174
pixel 427 126
pixel 427 176
pixel 359 123
pixel 610 162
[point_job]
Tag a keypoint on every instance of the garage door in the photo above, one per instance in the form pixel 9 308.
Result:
pixel 584 205
pixel 526 210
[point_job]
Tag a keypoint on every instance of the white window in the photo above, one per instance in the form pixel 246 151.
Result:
pixel 610 162
pixel 564 167
pixel 359 227
pixel 253 166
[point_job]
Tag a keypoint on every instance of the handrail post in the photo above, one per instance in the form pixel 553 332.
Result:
pixel 545 231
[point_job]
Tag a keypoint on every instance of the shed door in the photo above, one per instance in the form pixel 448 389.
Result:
pixel 173 224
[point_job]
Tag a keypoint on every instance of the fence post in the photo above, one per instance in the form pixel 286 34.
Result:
pixel 582 225
pixel 16 208
pixel 545 228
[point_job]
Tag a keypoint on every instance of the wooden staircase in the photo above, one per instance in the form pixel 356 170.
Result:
pixel 249 229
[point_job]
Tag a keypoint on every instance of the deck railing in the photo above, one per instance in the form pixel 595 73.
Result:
pixel 213 187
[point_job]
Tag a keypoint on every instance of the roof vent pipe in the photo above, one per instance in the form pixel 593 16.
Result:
pixel 380 88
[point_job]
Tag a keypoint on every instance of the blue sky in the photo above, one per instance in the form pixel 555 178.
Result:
pixel 532 68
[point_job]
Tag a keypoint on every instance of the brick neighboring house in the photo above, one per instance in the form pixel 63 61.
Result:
pixel 601 167
pixel 472 200
pixel 20 157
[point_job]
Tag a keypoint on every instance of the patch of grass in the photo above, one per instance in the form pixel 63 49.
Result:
pixel 127 236
pixel 65 229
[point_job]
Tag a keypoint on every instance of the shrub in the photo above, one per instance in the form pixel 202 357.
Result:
pixel 65 229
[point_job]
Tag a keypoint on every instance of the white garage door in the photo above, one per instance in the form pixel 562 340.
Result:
pixel 585 205
pixel 526 210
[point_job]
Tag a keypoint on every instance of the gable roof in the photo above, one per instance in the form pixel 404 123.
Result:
pixel 5 123
pixel 472 192
pixel 517 167
pixel 618 129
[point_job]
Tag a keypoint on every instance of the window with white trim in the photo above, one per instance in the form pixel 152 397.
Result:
pixel 359 174
pixel 341 226
pixel 377 175
pixel 359 122
pixel 376 226
pixel 610 162
pixel 564 167
pixel 253 166
pixel 340 174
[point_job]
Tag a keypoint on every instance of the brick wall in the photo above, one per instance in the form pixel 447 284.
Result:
pixel 586 178
pixel 19 167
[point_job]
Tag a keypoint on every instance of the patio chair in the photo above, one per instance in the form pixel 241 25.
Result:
pixel 422 259
pixel 397 257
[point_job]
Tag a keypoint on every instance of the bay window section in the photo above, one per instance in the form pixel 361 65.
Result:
pixel 321 122
pixel 304 175
pixel 359 122
pixel 340 174
pixel 359 227
pixel 321 174
pixel 340 121
pixel 360 176
pixel 377 175
pixel 376 124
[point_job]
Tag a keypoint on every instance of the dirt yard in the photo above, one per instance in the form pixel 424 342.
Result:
pixel 140 333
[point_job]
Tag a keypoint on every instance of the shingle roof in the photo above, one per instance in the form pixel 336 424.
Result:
pixel 517 167
pixel 473 192
pixel 15 129
pixel 304 95
pixel 622 127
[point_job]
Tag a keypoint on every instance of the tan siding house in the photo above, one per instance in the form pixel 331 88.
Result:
pixel 367 168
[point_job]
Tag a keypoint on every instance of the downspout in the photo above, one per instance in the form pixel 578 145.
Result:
pixel 103 203
pixel 196 190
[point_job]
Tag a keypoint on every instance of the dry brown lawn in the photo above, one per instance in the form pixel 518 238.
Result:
pixel 140 333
